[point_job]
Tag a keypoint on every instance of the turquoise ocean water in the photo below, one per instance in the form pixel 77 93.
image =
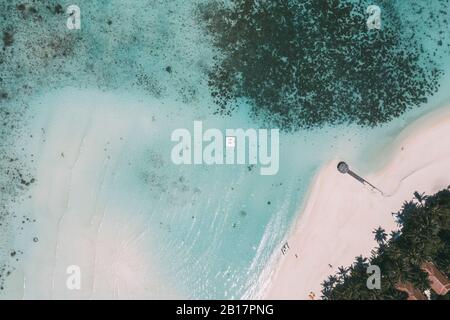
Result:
pixel 144 64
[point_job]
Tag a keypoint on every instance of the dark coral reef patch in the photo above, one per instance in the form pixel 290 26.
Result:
pixel 307 63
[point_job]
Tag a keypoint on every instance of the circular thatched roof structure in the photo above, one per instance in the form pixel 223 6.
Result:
pixel 343 167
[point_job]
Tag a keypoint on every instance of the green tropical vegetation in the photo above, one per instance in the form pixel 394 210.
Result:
pixel 423 235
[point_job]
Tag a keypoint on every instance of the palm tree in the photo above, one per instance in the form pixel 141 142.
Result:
pixel 407 209
pixel 380 235
pixel 332 280
pixel 342 272
pixel 420 197
pixel 395 234
pixel 327 290
pixel 360 264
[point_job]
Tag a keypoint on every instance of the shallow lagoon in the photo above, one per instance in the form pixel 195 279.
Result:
pixel 108 198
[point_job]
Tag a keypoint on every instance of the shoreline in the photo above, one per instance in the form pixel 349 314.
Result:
pixel 337 219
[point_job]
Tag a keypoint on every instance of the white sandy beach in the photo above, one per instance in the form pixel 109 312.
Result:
pixel 84 219
pixel 340 213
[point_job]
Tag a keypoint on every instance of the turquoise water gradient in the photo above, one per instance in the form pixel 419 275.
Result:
pixel 216 228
